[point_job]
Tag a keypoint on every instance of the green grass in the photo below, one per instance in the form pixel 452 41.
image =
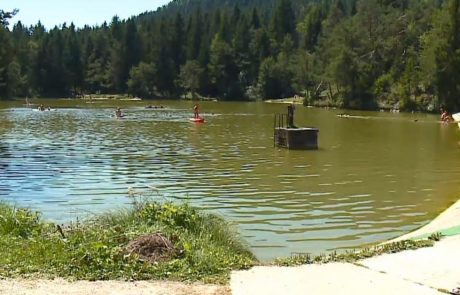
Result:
pixel 353 256
pixel 95 249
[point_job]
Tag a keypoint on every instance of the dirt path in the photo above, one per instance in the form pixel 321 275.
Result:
pixel 62 287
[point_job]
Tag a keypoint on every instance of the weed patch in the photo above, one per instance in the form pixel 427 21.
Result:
pixel 150 241
pixel 353 256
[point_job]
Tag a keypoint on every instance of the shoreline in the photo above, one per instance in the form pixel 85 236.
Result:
pixel 402 270
pixel 299 101
pixel 150 242
pixel 290 100
pixel 330 105
pixel 444 222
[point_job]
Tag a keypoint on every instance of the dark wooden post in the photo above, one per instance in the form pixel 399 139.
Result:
pixel 290 116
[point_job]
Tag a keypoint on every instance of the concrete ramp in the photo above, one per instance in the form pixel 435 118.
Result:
pixel 334 278
pixel 436 267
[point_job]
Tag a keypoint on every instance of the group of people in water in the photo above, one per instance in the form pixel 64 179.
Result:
pixel 119 113
pixel 154 107
pixel 42 108
pixel 445 117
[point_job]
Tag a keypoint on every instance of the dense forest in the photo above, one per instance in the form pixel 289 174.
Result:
pixel 364 54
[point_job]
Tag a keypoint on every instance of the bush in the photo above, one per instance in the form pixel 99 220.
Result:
pixel 22 223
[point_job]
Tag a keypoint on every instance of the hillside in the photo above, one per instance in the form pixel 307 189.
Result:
pixel 187 7
pixel 364 54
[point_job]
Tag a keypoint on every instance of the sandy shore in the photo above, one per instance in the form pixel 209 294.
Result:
pixel 294 100
pixel 62 287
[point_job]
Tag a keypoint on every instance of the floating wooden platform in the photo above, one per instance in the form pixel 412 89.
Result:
pixel 296 138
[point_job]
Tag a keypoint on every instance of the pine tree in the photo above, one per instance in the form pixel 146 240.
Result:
pixel 164 62
pixel 194 34
pixel 178 42
pixel 448 61
pixel 72 62
pixel 283 21
pixel 255 20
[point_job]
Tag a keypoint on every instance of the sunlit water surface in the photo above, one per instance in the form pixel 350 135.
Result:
pixel 375 176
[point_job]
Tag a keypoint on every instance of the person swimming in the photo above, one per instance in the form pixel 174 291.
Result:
pixel 154 107
pixel 118 113
pixel 445 117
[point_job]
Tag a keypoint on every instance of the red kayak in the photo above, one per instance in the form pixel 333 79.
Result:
pixel 197 120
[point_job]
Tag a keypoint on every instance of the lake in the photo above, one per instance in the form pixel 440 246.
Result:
pixel 375 176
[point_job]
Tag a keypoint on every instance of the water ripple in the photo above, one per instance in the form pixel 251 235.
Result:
pixel 79 160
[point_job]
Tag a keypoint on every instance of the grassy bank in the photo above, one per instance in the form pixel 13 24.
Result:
pixel 149 241
pixel 356 255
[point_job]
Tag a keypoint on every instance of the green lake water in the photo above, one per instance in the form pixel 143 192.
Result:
pixel 375 176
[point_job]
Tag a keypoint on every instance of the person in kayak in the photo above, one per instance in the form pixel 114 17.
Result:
pixel 196 112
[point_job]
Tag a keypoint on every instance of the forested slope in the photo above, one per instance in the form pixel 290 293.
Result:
pixel 349 53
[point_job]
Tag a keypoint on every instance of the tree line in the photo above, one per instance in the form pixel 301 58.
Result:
pixel 363 54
